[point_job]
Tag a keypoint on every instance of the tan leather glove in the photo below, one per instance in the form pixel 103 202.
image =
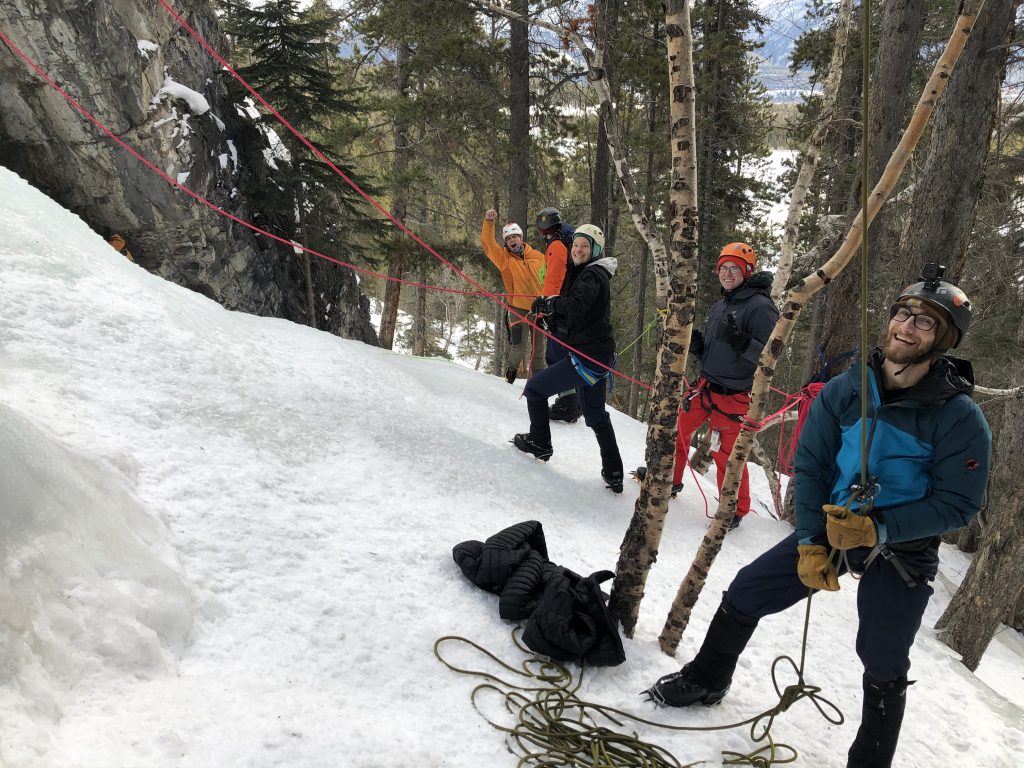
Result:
pixel 814 568
pixel 848 530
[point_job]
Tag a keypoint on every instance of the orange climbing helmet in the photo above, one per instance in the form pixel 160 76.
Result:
pixel 742 254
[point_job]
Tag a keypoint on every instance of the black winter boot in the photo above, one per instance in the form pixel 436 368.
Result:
pixel 538 440
pixel 611 461
pixel 566 408
pixel 880 722
pixel 707 678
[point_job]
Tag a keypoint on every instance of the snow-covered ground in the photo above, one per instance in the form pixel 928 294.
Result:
pixel 226 541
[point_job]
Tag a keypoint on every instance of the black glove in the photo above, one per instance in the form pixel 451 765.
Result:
pixel 696 343
pixel 730 333
pixel 545 305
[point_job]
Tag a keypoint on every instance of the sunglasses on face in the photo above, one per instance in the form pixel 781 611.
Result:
pixel 728 270
pixel 921 321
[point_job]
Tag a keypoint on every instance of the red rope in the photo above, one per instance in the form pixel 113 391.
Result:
pixel 309 145
pixel 217 209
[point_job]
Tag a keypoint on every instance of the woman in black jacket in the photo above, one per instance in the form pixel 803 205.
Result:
pixel 581 315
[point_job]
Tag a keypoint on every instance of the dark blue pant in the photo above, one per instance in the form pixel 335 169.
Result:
pixel 561 377
pixel 554 351
pixel 890 612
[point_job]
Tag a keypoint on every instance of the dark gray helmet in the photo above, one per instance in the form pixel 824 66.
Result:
pixel 548 218
pixel 945 296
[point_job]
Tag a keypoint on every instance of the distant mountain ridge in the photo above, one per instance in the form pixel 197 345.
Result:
pixel 787 21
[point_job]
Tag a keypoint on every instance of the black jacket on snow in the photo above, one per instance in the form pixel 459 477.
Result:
pixel 751 308
pixel 565 614
pixel 583 310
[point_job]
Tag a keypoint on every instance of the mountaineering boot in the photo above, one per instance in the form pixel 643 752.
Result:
pixel 880 722
pixel 641 472
pixel 611 460
pixel 735 522
pixel 707 678
pixel 566 407
pixel 612 481
pixel 510 375
pixel 526 444
pixel 682 688
pixel 538 440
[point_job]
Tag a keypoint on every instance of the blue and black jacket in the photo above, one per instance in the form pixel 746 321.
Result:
pixel 752 310
pixel 929 453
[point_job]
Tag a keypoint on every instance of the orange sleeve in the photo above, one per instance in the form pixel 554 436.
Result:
pixel 557 256
pixel 496 253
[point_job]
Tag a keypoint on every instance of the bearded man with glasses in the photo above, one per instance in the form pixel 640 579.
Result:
pixel 728 346
pixel 927 449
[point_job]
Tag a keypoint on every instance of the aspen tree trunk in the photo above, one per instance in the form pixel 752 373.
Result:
pixel 994 583
pixel 639 548
pixel 690 589
pixel 393 289
pixel 645 257
pixel 791 229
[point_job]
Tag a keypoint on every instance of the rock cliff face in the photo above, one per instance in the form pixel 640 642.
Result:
pixel 153 85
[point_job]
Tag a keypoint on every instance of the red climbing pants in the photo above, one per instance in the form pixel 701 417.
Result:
pixel 702 402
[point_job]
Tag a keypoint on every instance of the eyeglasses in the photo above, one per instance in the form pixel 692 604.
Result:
pixel 726 269
pixel 921 321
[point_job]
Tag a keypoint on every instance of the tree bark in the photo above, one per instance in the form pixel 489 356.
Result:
pixel 690 589
pixel 519 114
pixel 895 58
pixel 393 290
pixel 607 17
pixel 420 318
pixel 639 548
pixel 989 593
pixel 944 207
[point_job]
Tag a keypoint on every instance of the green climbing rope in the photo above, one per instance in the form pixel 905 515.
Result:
pixel 553 726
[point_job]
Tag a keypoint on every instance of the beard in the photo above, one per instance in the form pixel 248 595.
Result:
pixel 901 354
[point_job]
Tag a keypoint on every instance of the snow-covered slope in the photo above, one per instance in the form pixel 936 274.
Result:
pixel 226 540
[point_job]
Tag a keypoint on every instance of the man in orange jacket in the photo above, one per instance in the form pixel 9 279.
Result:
pixel 520 266
pixel 556 234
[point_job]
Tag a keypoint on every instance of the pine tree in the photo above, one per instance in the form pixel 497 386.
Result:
pixel 289 53
pixel 732 126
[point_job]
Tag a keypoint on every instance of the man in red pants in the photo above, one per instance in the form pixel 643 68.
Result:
pixel 728 346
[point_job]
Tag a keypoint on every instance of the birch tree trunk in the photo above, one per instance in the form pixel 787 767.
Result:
pixel 639 548
pixel 690 589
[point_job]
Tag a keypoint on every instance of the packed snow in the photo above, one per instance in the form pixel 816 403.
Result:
pixel 226 541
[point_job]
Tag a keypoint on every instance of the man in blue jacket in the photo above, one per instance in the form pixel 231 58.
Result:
pixel 928 449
